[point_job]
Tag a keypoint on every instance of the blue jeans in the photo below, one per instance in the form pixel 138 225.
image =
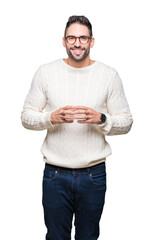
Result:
pixel 69 191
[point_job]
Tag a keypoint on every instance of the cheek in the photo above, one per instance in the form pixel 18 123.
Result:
pixel 67 46
pixel 87 48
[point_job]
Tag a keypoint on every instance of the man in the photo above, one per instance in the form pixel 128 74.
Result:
pixel 78 101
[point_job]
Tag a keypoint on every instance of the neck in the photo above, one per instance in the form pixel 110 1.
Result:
pixel 86 62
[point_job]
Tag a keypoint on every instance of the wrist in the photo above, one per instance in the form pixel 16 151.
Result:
pixel 102 118
pixel 99 117
pixel 51 119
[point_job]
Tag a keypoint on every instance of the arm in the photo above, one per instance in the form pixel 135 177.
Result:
pixel 119 119
pixel 32 115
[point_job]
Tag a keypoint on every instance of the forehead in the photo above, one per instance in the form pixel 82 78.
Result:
pixel 77 29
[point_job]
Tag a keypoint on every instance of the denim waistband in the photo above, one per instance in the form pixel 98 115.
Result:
pixel 70 170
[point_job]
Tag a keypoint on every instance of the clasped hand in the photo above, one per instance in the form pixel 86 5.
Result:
pixel 67 114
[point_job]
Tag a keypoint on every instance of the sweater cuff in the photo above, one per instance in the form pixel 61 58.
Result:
pixel 47 119
pixel 106 127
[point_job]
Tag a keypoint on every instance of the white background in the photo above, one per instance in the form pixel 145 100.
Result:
pixel 31 35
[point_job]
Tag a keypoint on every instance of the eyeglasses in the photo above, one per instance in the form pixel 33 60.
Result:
pixel 72 39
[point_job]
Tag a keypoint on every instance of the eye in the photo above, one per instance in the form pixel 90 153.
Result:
pixel 71 37
pixel 84 37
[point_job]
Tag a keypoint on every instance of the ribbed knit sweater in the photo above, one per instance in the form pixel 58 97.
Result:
pixel 57 84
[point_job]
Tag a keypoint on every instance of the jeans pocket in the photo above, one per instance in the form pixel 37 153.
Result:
pixel 49 174
pixel 98 177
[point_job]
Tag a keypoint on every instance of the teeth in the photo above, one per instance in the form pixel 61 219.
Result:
pixel 77 51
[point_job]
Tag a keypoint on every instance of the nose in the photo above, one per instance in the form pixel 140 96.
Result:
pixel 77 43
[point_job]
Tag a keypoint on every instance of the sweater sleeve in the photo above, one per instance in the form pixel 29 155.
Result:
pixel 32 116
pixel 119 119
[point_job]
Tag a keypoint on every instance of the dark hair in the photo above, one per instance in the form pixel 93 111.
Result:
pixel 79 19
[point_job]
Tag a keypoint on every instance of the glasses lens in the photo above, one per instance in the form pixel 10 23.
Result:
pixel 84 39
pixel 71 39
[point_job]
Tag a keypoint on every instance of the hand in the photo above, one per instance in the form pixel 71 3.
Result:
pixel 91 116
pixel 60 115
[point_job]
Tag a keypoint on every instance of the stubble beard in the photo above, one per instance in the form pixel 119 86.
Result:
pixel 86 53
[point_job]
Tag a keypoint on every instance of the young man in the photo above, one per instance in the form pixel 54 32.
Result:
pixel 83 100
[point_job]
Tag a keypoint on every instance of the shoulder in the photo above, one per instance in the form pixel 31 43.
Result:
pixel 104 67
pixel 50 65
pixel 106 71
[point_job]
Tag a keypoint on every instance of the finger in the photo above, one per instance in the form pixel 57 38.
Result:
pixel 82 121
pixel 68 121
pixel 70 112
pixel 81 107
pixel 78 117
pixel 65 118
pixel 68 106
pixel 81 117
pixel 66 112
pixel 62 112
pixel 81 111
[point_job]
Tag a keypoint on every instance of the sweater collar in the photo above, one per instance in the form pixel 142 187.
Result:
pixel 74 69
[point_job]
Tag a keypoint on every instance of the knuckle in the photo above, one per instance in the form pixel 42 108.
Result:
pixel 62 111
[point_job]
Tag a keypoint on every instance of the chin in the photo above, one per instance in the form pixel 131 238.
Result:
pixel 78 59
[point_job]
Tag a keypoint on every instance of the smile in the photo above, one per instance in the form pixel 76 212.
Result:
pixel 77 51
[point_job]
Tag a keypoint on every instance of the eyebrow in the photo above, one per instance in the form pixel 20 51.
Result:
pixel 77 36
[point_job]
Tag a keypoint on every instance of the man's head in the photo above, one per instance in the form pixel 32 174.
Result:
pixel 78 38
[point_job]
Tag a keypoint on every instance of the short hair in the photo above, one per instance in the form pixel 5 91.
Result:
pixel 81 20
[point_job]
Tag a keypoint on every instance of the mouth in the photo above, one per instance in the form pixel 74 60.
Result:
pixel 77 51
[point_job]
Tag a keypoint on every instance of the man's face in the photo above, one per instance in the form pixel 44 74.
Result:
pixel 78 51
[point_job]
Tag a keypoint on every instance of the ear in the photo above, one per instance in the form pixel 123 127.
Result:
pixel 63 40
pixel 92 42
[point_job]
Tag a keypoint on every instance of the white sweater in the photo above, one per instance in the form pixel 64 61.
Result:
pixel 57 84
